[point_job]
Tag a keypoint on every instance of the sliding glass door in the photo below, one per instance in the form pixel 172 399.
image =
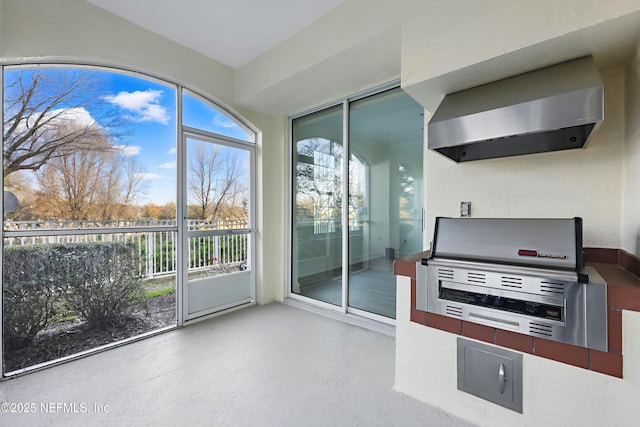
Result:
pixel 317 207
pixel 343 248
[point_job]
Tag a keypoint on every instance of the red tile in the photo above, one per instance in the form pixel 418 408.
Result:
pixel 561 352
pixel 623 298
pixel 607 255
pixel 614 333
pixel 606 363
pixel 478 332
pixel 418 316
pixel 403 267
pixel 629 262
pixel 515 341
pixel 444 323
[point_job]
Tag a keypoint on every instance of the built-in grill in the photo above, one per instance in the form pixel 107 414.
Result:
pixel 522 275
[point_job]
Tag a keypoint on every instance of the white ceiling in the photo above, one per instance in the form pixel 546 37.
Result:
pixel 232 32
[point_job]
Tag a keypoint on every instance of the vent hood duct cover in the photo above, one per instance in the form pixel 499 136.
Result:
pixel 554 108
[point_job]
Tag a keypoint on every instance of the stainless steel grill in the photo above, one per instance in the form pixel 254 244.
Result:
pixel 522 275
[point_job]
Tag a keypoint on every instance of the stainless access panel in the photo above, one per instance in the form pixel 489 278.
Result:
pixel 491 373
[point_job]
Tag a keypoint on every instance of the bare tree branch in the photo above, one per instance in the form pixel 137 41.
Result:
pixel 45 117
pixel 215 181
pixel 203 169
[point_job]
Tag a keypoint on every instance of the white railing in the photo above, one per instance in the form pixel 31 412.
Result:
pixel 329 225
pixel 157 248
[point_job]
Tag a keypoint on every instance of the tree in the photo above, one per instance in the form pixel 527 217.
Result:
pixel 203 169
pixel 45 117
pixel 95 182
pixel 214 180
pixel 231 186
pixel 19 184
pixel 319 180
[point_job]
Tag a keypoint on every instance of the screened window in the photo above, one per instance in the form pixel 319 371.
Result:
pixel 200 114
pixel 91 254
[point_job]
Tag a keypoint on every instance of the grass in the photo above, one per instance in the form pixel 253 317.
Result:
pixel 159 292
pixel 159 286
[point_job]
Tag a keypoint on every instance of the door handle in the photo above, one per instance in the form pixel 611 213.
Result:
pixel 502 379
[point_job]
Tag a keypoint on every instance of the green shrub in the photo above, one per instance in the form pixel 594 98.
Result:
pixel 100 282
pixel 31 295
pixel 104 285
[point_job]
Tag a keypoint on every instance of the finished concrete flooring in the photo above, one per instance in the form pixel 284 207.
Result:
pixel 271 365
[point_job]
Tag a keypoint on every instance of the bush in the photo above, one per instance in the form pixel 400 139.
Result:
pixel 31 296
pixel 99 282
pixel 104 285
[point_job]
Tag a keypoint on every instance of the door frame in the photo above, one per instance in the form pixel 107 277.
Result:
pixel 183 232
pixel 344 309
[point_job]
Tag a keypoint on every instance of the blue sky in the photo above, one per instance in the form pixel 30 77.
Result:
pixel 148 111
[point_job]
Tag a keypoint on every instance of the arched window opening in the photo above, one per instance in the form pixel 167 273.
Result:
pixel 91 253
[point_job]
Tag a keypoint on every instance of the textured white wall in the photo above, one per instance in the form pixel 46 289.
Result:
pixel 586 183
pixel 554 393
pixel 77 32
pixel 349 49
pixel 74 30
pixel 1 27
pixel 433 46
pixel 631 197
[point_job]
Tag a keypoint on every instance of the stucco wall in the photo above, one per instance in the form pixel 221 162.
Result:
pixel 351 48
pixel 631 197
pixel 1 26
pixel 432 46
pixel 554 393
pixel 77 32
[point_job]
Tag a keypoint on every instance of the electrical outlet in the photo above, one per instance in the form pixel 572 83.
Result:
pixel 465 208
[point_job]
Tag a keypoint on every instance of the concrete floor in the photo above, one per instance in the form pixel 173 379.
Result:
pixel 271 365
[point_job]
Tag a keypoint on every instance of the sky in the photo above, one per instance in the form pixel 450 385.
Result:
pixel 147 110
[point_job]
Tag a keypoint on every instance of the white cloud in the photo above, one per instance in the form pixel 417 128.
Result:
pixel 224 122
pixel 128 150
pixel 149 176
pixel 77 116
pixel 168 165
pixel 172 150
pixel 144 105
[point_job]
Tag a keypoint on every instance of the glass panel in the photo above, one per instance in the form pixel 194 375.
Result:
pixel 200 114
pixel 317 196
pixel 219 273
pixel 86 150
pixel 72 293
pixel 88 145
pixel 385 195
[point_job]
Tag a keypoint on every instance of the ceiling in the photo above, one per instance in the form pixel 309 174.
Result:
pixel 233 32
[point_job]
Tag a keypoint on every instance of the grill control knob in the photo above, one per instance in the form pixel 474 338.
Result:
pixel 485 299
pixel 531 308
pixel 498 302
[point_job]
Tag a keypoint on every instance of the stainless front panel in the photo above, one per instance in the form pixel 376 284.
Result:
pixel 584 306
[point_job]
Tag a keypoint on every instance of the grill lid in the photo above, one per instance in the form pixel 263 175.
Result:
pixel 542 243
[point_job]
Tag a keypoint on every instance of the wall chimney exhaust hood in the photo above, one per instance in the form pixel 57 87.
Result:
pixel 554 108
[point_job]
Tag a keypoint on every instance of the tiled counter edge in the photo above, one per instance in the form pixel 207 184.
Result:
pixel 619 269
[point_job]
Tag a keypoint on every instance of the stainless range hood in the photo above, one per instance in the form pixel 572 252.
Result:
pixel 554 108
